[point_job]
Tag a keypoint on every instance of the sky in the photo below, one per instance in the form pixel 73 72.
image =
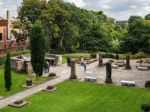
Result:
pixel 118 9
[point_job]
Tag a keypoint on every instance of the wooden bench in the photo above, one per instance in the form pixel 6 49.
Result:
pixel 127 83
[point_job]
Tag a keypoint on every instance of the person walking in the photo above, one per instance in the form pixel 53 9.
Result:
pixel 84 65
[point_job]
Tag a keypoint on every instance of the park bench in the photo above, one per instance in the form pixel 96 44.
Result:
pixel 127 83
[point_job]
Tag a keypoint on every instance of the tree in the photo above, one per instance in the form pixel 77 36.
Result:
pixel 37 44
pixel 7 73
pixel 133 18
pixel 147 17
pixel 138 37
pixel 95 39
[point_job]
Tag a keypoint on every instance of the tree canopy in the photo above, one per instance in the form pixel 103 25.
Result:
pixel 70 29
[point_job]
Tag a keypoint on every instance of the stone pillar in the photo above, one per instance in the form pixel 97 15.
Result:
pixel 59 60
pixel 29 82
pixel 97 56
pixel 108 79
pixel 69 61
pixel 19 66
pixel 28 68
pixel 100 61
pixel 117 57
pixel 73 70
pixel 128 67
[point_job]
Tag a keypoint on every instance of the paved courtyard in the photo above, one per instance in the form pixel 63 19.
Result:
pixel 118 74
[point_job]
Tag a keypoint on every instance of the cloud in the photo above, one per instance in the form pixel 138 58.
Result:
pixel 78 3
pixel 133 6
pixel 106 7
pixel 147 8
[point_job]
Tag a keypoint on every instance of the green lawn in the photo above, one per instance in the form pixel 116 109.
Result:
pixel 75 56
pixel 18 80
pixel 86 97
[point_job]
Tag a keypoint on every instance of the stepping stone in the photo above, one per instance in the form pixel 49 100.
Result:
pixel 28 87
pixel 18 104
pixel 50 89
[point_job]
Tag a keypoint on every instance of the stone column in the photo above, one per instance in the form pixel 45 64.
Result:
pixel 100 61
pixel 128 67
pixel 19 66
pixel 73 71
pixel 28 68
pixel 108 79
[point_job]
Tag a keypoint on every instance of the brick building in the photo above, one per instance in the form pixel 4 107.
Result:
pixel 6 37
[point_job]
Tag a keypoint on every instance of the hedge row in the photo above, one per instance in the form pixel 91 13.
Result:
pixel 123 56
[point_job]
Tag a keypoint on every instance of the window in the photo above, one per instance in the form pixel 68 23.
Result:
pixel 0 36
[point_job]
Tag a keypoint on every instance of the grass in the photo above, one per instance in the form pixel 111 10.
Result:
pixel 74 56
pixel 18 80
pixel 77 55
pixel 86 97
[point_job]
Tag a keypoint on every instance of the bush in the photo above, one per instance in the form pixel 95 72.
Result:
pixel 122 56
pixel 145 107
pixel 139 55
pixel 147 84
pixel 93 55
pixel 110 55
pixel 103 54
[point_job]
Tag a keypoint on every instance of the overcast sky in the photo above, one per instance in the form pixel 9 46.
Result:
pixel 118 9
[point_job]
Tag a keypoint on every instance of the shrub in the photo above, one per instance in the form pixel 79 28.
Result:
pixel 147 84
pixel 145 107
pixel 103 54
pixel 93 55
pixel 122 56
pixel 139 55
pixel 110 55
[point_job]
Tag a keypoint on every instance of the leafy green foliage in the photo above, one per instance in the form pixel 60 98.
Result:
pixel 95 39
pixel 71 29
pixel 138 37
pixel 147 17
pixel 37 43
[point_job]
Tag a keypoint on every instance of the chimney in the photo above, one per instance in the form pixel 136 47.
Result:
pixel 8 18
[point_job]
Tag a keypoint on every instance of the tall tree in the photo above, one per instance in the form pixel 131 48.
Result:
pixel 37 43
pixel 138 37
pixel 147 17
pixel 7 73
pixel 95 39
pixel 133 18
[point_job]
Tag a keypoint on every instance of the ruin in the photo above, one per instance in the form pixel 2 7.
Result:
pixel 22 63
